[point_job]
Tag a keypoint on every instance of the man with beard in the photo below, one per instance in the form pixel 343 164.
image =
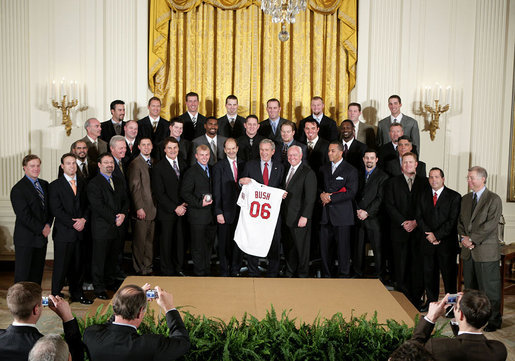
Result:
pixel 212 140
pixel 115 125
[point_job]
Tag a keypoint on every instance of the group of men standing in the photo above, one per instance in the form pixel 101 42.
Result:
pixel 180 180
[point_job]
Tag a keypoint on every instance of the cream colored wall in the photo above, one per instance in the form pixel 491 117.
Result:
pixel 403 45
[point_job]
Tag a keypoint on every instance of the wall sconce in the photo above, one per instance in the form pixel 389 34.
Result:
pixel 66 99
pixel 435 95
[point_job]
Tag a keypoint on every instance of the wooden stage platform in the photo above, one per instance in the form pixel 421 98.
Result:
pixel 305 299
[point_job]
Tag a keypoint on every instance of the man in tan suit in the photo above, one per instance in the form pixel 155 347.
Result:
pixel 96 146
pixel 480 251
pixel 143 207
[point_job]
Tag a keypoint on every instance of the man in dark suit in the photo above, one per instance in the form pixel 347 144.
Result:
pixel 197 190
pixel 401 196
pixel 231 124
pixel 271 128
pixel 143 208
pixel 96 145
pixel 109 206
pixel 193 121
pixel 69 206
pixel 353 149
pixel 363 132
pixel 248 143
pixel 30 202
pixel 225 194
pixel 437 217
pixel 166 184
pixel 409 125
pixel 153 126
pixel 478 223
pixel 85 168
pixel 131 142
pixel 120 341
pixel 368 204
pixel 472 311
pixel 337 191
pixel 389 150
pixel 297 208
pixel 393 167
pixel 118 149
pixel 214 142
pixel 269 173
pixel 185 146
pixel 24 303
pixel 287 134
pixel 328 128
pixel 115 125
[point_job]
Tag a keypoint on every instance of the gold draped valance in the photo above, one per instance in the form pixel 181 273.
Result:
pixel 325 36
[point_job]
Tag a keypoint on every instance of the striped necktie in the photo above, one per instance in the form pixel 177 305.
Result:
pixel 40 192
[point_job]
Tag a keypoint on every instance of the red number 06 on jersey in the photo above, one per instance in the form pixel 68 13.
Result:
pixel 255 207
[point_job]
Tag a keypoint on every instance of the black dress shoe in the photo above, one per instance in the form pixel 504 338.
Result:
pixel 424 308
pixel 101 295
pixel 490 328
pixel 82 300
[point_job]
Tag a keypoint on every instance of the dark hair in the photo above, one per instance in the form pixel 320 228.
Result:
pixel 74 144
pixel 339 144
pixel 316 97
pixel 395 97
pixel 395 125
pixel 253 116
pixel 371 150
pixel 169 140
pixel 273 100
pixel 103 155
pixel 411 351
pixel 476 307
pixel 233 97
pixel 176 120
pixel 354 105
pixel 128 302
pixel 28 158
pixel 154 98
pixel 211 117
pixel 312 120
pixel 22 297
pixel 289 123
pixel 347 121
pixel 404 137
pixel 140 139
pixel 66 155
pixel 436 168
pixel 191 94
pixel 114 103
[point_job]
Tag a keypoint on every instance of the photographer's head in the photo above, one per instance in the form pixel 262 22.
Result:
pixel 24 301
pixel 473 308
pixel 50 348
pixel 130 304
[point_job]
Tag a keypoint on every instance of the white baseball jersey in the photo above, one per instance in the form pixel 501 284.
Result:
pixel 259 209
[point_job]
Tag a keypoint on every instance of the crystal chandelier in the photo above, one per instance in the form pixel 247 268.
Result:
pixel 283 11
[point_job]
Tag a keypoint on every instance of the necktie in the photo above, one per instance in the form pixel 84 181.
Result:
pixel 290 175
pixel 121 167
pixel 207 171
pixel 395 121
pixel 285 151
pixel 176 169
pixel 111 182
pixel 149 162
pixel 130 146
pixel 117 129
pixel 235 168
pixel 410 183
pixel 40 192
pixel 333 168
pixel 435 198
pixel 368 175
pixel 345 150
pixel 265 174
pixel 213 148
pixel 74 186
pixel 310 145
pixel 85 169
pixel 96 144
pixel 274 127
pixel 474 202
pixel 251 141
pixel 231 122
pixel 194 121
pixel 154 126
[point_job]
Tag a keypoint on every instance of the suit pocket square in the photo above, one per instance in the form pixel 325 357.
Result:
pixel 339 178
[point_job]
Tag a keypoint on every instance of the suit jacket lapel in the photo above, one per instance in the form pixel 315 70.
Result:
pixel 479 204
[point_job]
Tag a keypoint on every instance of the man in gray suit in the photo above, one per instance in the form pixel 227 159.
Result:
pixel 480 252
pixel 214 142
pixel 409 125
pixel 96 146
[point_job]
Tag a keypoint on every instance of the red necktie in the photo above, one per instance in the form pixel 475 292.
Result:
pixel 235 171
pixel 265 174
pixel 435 198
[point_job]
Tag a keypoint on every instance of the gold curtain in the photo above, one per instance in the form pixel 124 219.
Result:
pixel 222 47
